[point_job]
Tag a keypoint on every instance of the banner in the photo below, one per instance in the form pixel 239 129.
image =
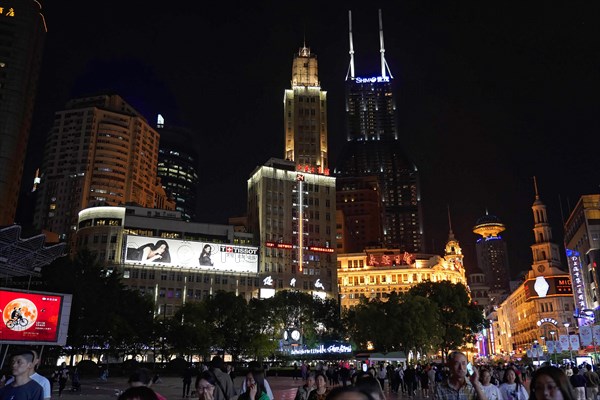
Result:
pixel 585 332
pixel 529 353
pixel 596 333
pixel 574 339
pixel 550 346
pixel 189 254
pixel 564 342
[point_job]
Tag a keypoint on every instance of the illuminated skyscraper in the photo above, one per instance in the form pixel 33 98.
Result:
pixel 373 147
pixel 22 34
pixel 178 168
pixel 305 114
pixel 100 151
pixel 492 257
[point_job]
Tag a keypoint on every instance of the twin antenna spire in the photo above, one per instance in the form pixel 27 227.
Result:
pixel 385 69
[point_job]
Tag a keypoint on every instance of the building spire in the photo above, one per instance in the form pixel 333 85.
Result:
pixel 537 195
pixel 450 234
pixel 351 66
pixel 384 65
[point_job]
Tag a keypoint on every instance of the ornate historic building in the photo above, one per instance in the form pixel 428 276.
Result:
pixel 537 311
pixel 375 273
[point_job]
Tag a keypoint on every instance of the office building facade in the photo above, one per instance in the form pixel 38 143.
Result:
pixel 21 43
pixel 178 168
pixel 99 152
pixel 582 243
pixel 197 259
pixel 292 214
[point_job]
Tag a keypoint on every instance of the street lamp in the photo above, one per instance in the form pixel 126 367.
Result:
pixel 566 324
pixel 553 333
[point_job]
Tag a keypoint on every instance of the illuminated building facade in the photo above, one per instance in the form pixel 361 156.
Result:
pixel 100 151
pixel 543 303
pixel 492 257
pixel 582 241
pixel 375 273
pixel 292 213
pixel 178 168
pixel 359 206
pixel 305 114
pixel 21 43
pixel 115 233
pixel 374 148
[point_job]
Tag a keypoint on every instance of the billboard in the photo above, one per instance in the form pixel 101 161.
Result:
pixel 34 317
pixel 185 254
pixel 548 286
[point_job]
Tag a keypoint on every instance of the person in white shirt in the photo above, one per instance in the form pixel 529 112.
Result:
pixel 42 381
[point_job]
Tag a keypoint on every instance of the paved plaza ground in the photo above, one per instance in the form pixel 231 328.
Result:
pixel 284 388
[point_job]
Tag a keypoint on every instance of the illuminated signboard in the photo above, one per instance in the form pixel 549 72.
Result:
pixel 333 348
pixel 318 249
pixel 558 285
pixel 34 317
pixel 577 276
pixel 312 169
pixel 7 12
pixel 184 254
pixel 276 245
pixel 373 79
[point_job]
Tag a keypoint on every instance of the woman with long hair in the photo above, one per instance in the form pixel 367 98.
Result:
pixel 551 383
pixel 512 388
pixel 255 387
pixel 491 391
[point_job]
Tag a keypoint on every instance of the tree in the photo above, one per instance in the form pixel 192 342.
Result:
pixel 228 319
pixel 460 319
pixel 104 315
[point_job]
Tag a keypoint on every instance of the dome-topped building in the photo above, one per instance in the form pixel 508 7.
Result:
pixel 492 256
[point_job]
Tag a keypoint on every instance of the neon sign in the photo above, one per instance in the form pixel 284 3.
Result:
pixel 323 349
pixel 311 169
pixel 578 284
pixel 9 13
pixel 318 249
pixel 373 79
pixel 276 245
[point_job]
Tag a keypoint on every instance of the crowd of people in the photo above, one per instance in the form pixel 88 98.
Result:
pixel 457 380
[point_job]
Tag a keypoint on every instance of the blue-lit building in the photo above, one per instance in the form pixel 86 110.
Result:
pixel 374 148
pixel 492 256
pixel 178 168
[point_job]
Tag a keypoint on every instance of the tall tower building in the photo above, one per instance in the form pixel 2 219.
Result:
pixel 492 257
pixel 373 147
pixel 21 43
pixel 546 254
pixel 305 114
pixel 178 168
pixel 292 213
pixel 100 151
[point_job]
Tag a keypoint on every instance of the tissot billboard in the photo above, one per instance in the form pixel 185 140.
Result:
pixel 34 317
pixel 185 254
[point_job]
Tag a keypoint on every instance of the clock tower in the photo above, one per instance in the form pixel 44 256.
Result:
pixel 546 255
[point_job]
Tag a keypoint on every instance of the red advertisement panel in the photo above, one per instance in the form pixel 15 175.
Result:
pixel 29 317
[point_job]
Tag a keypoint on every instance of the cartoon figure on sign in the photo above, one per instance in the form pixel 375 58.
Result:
pixel 19 314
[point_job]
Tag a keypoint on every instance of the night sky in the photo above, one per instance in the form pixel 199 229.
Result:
pixel 488 94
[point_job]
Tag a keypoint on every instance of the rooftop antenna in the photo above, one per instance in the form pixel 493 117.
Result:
pixel 537 195
pixel 384 65
pixel 351 66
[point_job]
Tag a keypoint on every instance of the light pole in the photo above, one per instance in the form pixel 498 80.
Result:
pixel 566 324
pixel 554 347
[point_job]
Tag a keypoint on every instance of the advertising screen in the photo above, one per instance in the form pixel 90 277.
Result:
pixel 558 285
pixel 201 255
pixel 34 317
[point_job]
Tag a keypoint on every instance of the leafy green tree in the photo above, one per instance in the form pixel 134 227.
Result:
pixel 418 324
pixel 104 314
pixel 460 319
pixel 188 333
pixel 228 317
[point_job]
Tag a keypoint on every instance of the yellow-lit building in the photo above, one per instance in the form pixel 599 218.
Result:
pixel 540 307
pixel 375 273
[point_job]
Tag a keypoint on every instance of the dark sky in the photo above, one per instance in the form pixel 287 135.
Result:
pixel 489 94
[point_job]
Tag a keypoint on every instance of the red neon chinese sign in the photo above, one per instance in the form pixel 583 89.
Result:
pixel 276 245
pixel 312 169
pixel 318 249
